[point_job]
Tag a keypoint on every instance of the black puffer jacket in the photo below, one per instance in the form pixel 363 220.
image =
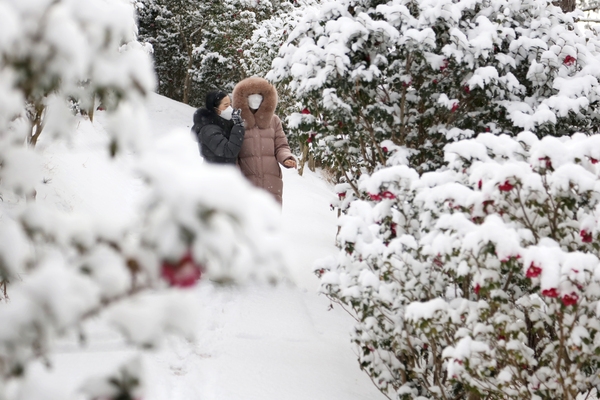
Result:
pixel 220 140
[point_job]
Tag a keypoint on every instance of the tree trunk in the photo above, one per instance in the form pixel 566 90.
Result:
pixel 566 5
pixel 304 158
pixel 37 124
pixel 187 85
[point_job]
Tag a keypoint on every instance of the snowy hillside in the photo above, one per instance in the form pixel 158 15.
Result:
pixel 252 342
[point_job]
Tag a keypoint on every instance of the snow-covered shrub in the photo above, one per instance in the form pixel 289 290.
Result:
pixel 479 281
pixel 65 267
pixel 200 45
pixel 263 46
pixel 425 73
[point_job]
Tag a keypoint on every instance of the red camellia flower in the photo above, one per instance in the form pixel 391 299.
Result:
pixel 388 195
pixel 506 187
pixel 533 271
pixel 477 288
pixel 305 111
pixel 479 184
pixel 454 107
pixel 393 227
pixel 586 237
pixel 467 89
pixel 593 160
pixel 569 60
pixel 184 273
pixel 444 66
pixel 375 197
pixel 553 292
pixel 547 161
pixel 570 299
pixel 385 149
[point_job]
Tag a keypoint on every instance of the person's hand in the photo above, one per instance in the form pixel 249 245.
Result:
pixel 290 163
pixel 236 116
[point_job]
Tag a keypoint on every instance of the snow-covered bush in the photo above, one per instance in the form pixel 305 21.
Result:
pixel 199 45
pixel 425 73
pixel 479 281
pixel 263 46
pixel 65 267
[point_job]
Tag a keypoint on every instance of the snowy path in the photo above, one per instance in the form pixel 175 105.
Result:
pixel 267 343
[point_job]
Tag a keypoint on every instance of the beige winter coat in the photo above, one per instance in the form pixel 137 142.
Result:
pixel 265 145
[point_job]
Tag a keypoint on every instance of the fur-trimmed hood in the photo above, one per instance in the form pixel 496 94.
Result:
pixel 264 114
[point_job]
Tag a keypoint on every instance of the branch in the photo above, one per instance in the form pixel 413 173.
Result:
pixel 591 8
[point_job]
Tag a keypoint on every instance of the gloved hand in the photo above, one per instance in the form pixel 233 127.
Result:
pixel 236 116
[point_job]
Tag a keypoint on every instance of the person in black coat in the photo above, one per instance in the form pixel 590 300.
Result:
pixel 219 129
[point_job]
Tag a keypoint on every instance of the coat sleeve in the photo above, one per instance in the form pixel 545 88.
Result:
pixel 213 138
pixel 282 147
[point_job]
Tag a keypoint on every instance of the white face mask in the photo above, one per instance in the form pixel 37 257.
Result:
pixel 254 101
pixel 226 113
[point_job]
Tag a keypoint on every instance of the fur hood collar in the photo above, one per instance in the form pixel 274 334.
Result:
pixel 264 114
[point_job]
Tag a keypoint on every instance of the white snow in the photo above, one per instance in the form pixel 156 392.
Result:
pixel 252 342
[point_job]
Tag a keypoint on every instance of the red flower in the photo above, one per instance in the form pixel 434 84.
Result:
pixel 570 299
pixel 385 149
pixel 388 195
pixel 435 81
pixel 569 60
pixel 305 111
pixel 184 273
pixel 506 187
pixel 454 107
pixel 393 227
pixel 375 197
pixel 533 271
pixel 593 160
pixel 444 66
pixel 341 195
pixel 477 288
pixel 467 89
pixel 547 160
pixel 553 292
pixel 586 237
pixel 479 184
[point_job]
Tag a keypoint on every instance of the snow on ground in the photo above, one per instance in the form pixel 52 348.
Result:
pixel 267 343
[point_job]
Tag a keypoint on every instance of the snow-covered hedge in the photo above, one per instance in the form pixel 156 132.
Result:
pixel 60 268
pixel 425 73
pixel 479 281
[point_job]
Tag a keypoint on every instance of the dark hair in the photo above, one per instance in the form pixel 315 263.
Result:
pixel 213 99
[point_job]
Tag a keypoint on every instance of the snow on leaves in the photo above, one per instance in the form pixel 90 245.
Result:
pixel 421 69
pixel 488 272
pixel 62 267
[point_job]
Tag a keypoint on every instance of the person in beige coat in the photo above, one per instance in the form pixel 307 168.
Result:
pixel 265 145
